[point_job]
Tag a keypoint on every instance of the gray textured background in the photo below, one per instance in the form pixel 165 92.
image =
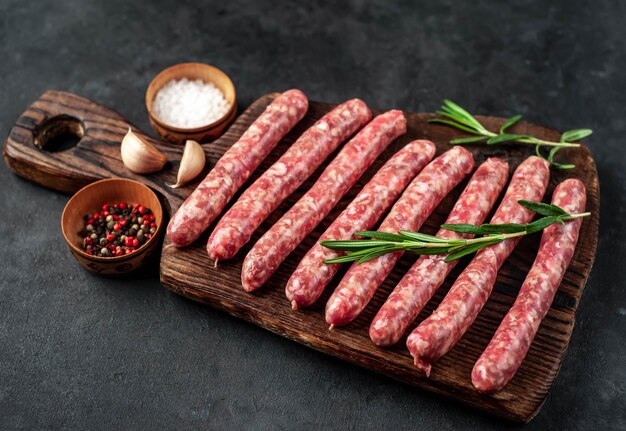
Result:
pixel 81 352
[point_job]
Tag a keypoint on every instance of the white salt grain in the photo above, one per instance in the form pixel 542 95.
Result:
pixel 187 104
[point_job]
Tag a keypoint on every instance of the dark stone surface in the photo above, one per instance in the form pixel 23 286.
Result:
pixel 81 352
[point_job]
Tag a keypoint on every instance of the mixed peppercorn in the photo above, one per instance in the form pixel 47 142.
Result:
pixel 117 229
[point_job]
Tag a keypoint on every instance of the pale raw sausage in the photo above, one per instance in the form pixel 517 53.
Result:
pixel 312 275
pixel 436 335
pixel 338 177
pixel 208 200
pixel 236 227
pixel 421 281
pixel 506 351
pixel 424 193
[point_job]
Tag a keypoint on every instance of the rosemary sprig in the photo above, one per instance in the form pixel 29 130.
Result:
pixel 457 117
pixel 380 243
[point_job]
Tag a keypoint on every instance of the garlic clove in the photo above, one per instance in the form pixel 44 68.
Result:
pixel 191 164
pixel 139 156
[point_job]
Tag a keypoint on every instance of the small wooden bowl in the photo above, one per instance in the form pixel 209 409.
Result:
pixel 90 199
pixel 193 71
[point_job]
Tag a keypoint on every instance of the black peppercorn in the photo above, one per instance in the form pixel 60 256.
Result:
pixel 118 230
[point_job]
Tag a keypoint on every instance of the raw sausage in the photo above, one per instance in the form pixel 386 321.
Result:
pixel 421 281
pixel 506 351
pixel 414 206
pixel 340 175
pixel 312 275
pixel 284 177
pixel 235 167
pixel 436 335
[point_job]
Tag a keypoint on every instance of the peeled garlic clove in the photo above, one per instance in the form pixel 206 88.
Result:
pixel 139 156
pixel 191 164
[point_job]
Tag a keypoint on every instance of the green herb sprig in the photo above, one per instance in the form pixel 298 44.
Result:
pixel 459 118
pixel 380 243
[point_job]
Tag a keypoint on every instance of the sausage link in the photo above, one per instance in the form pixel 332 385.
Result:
pixel 509 346
pixel 424 193
pixel 436 335
pixel 312 275
pixel 340 175
pixel 298 163
pixel 208 200
pixel 421 281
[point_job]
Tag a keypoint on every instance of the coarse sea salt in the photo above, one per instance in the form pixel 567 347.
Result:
pixel 189 103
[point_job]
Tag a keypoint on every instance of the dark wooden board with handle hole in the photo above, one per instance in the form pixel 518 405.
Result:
pixel 189 272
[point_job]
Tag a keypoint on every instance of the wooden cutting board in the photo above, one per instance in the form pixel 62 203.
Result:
pixel 189 272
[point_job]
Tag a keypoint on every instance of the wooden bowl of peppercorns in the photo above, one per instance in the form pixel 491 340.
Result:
pixel 112 226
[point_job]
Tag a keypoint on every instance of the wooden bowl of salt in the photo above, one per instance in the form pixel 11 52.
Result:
pixel 191 101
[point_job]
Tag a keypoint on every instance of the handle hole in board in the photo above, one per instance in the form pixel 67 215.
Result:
pixel 59 133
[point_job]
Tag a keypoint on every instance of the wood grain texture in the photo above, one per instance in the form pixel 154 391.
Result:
pixel 188 271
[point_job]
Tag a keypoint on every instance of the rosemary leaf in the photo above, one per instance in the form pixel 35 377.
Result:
pixel 542 223
pixel 423 237
pixel 341 259
pixel 351 256
pixel 376 253
pixel 502 228
pixel 538 151
pixel 469 250
pixel 459 119
pixel 453 124
pixel 575 135
pixel 432 251
pixel 352 244
pixel 464 228
pixel 551 154
pixel 381 235
pixel 562 166
pixel 506 137
pixel 509 123
pixel 469 140
pixel 451 106
pixel 542 209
